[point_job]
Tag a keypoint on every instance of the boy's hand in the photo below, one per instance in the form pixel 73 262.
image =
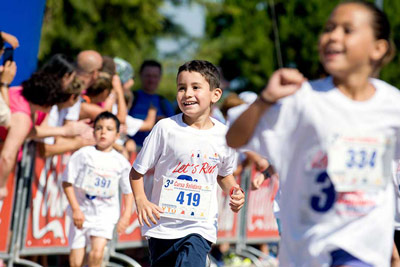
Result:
pixel 122 224
pixel 78 217
pixel 74 128
pixel 146 210
pixel 237 199
pixel 283 82
pixel 8 72
pixel 116 83
pixel 257 181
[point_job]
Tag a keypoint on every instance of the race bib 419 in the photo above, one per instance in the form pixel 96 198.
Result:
pixel 186 200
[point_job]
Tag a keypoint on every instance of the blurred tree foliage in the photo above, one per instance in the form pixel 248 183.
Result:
pixel 240 37
pixel 123 28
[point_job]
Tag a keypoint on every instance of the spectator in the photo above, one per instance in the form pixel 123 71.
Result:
pixel 62 66
pixel 89 63
pixel 7 74
pixel 9 38
pixel 150 75
pixel 29 104
pixel 100 94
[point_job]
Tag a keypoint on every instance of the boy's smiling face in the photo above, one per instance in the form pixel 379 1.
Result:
pixel 194 96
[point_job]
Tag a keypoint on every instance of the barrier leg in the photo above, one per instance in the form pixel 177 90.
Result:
pixel 27 262
pixel 24 179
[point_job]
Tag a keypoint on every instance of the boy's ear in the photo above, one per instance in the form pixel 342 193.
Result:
pixel 216 95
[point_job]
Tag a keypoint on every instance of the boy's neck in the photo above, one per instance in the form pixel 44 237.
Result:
pixel 107 149
pixel 202 123
pixel 355 87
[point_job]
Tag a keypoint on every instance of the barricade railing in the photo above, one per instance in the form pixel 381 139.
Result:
pixel 33 217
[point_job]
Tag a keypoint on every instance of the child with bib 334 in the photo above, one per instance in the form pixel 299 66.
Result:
pixel 190 158
pixel 332 142
pixel 91 182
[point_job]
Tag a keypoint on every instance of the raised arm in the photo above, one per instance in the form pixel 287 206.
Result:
pixel 150 119
pixel 119 91
pixel 243 127
pixel 283 82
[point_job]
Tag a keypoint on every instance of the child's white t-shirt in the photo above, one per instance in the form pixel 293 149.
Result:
pixel 172 144
pixel 97 209
pixel 316 219
pixel 396 180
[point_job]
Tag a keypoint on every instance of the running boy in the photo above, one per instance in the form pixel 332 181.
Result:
pixel 189 154
pixel 333 142
pixel 91 182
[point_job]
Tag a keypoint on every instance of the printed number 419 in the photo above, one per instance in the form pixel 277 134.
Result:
pixel 192 199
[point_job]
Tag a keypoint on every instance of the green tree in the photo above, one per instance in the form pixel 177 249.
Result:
pixel 123 28
pixel 240 37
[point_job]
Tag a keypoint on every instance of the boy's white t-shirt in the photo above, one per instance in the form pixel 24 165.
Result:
pixel 396 180
pixel 171 144
pixel 97 210
pixel 316 219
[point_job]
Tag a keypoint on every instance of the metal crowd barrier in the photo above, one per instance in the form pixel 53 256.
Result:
pixel 33 219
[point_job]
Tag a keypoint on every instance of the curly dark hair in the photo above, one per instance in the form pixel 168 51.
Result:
pixel 44 89
pixel 102 83
pixel 206 69
pixel 59 64
pixel 107 115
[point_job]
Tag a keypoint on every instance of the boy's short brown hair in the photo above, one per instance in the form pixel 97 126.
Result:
pixel 206 69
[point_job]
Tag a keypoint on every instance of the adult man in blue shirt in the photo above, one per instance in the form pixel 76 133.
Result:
pixel 150 75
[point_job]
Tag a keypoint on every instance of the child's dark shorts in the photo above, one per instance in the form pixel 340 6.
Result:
pixel 188 251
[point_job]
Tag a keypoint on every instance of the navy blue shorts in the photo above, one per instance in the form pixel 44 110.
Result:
pixel 341 257
pixel 188 251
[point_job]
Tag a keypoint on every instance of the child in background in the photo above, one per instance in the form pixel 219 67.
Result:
pixel 190 157
pixel 333 142
pixel 91 182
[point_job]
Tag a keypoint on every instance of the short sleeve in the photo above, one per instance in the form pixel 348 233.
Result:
pixel 17 102
pixel 229 163
pixel 124 182
pixel 133 125
pixel 75 168
pixel 73 112
pixel 151 150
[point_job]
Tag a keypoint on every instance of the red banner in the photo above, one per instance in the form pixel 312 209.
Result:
pixel 132 233
pixel 6 211
pixel 47 222
pixel 261 223
pixel 227 219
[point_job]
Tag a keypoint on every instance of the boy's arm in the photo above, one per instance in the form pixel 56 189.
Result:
pixel 229 186
pixel 283 82
pixel 144 207
pixel 126 215
pixel 150 119
pixel 77 214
